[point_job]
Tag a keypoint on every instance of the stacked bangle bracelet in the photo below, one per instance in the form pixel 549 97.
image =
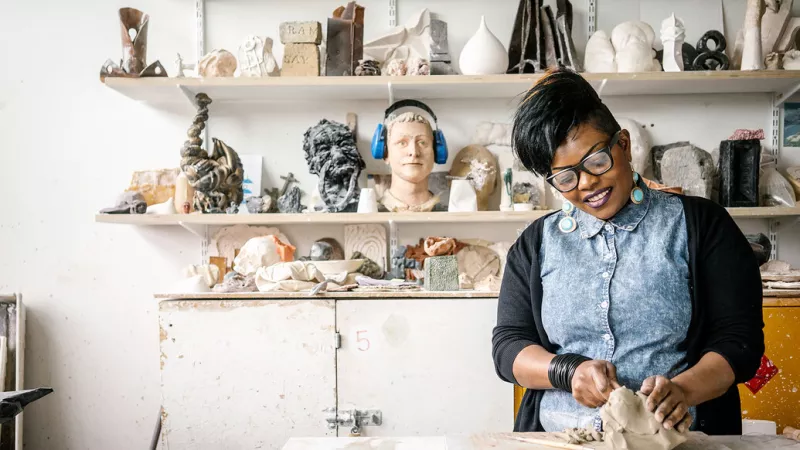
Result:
pixel 562 369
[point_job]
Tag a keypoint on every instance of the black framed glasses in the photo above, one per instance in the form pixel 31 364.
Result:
pixel 595 164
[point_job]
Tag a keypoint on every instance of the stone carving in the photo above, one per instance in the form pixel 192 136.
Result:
pixel 440 49
pixel 369 268
pixel 181 66
pixel 640 144
pixel 566 47
pixel 790 39
pixel 478 262
pixel 774 61
pixel 129 202
pixel 633 44
pixel 673 33
pixel 331 153
pixel 256 58
pixel 368 68
pixel 216 178
pixel 217 64
pixel 368 240
pixel 739 172
pixel 658 153
pixel 526 49
pixel 301 33
pixel 478 165
pixel 708 59
pixel 691 168
pixel 291 202
pixel 300 60
pixel 600 56
pixel 258 205
pixel 418 67
pixel 321 251
pixel 791 60
pixel 345 43
pixel 752 58
pixel 155 185
pixel 552 51
pixel 133 26
pixel 441 273
pixel 483 54
pixel 412 40
pixel 398 268
pixel 773 23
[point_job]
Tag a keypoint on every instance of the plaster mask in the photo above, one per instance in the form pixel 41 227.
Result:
pixel 410 151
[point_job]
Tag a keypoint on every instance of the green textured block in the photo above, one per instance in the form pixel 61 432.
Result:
pixel 441 273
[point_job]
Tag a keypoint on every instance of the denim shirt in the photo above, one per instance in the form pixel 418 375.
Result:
pixel 616 290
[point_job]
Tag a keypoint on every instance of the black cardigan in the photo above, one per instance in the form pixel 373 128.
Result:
pixel 725 288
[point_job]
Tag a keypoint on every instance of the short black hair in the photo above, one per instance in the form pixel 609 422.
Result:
pixel 559 102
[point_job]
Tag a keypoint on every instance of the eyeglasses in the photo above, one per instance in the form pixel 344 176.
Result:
pixel 596 164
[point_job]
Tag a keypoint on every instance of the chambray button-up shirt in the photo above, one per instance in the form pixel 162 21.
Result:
pixel 616 290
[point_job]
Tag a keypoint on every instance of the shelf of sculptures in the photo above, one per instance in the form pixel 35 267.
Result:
pixel 284 89
pixel 409 217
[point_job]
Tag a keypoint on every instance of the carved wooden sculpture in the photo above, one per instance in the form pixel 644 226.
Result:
pixel 133 27
pixel 217 178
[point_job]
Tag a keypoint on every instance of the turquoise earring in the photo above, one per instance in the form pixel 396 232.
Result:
pixel 637 194
pixel 567 224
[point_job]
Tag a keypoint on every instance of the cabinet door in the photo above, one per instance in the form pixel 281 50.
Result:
pixel 425 364
pixel 245 374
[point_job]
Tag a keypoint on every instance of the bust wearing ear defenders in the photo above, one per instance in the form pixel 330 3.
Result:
pixel 410 146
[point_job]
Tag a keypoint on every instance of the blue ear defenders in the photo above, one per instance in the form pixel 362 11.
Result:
pixel 379 138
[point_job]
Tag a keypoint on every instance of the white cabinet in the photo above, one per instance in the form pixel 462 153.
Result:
pixel 424 363
pixel 247 374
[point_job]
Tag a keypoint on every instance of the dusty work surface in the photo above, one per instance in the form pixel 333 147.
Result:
pixel 522 441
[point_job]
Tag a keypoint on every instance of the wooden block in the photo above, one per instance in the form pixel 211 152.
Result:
pixel 301 33
pixel 300 60
pixel 222 264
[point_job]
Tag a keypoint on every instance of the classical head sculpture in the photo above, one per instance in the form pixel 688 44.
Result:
pixel 411 147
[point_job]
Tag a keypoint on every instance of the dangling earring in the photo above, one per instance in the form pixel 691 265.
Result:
pixel 637 194
pixel 567 224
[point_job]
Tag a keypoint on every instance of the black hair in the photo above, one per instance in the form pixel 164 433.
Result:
pixel 558 103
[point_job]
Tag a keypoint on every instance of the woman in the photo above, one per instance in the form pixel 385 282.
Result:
pixel 626 286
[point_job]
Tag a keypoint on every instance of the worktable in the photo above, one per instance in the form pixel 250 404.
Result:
pixel 516 441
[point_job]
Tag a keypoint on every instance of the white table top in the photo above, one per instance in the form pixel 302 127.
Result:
pixel 517 441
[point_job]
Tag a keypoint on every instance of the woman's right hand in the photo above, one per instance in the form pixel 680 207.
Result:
pixel 593 382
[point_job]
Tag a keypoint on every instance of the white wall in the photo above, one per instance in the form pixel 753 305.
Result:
pixel 70 145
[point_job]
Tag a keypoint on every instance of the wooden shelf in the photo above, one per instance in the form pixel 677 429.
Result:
pixel 315 89
pixel 328 295
pixel 348 218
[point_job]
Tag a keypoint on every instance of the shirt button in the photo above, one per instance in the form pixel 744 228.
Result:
pixel 609 228
pixel 606 337
pixel 605 275
pixel 604 305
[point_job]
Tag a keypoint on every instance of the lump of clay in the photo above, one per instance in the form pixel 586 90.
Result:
pixel 218 63
pixel 262 252
pixel 209 272
pixel 628 424
pixel 600 54
pixel 691 168
pixel 236 282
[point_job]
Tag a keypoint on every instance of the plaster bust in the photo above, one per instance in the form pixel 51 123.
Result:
pixel 410 153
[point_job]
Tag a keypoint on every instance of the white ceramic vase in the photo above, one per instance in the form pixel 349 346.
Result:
pixel 483 54
pixel 367 201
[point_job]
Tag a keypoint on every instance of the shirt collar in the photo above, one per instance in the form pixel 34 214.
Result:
pixel 627 218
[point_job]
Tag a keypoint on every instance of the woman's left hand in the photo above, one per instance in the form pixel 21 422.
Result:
pixel 668 401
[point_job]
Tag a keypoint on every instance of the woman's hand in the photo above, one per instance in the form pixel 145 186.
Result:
pixel 593 382
pixel 668 401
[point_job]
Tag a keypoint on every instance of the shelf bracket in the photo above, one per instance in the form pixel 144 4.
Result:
pixel 200 29
pixel 392 13
pixel 776 128
pixel 200 231
pixel 781 97
pixel 592 25
pixel 391 92
pixel 773 238
pixel 602 87
pixel 393 239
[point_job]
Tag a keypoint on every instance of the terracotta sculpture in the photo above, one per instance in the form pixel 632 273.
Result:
pixel 410 153
pixel 133 27
pixel 217 178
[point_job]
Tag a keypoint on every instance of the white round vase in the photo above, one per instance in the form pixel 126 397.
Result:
pixel 483 54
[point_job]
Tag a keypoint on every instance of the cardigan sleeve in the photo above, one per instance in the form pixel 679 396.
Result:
pixel 730 283
pixel 516 327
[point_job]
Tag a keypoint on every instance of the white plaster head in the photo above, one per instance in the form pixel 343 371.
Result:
pixel 409 147
pixel 640 144
pixel 633 42
pixel 791 60
pixel 600 54
pixel 672 29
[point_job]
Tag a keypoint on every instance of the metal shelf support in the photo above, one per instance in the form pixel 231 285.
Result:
pixel 773 238
pixel 392 13
pixel 592 25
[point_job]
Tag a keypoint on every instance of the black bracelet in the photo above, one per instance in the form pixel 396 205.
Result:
pixel 562 369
